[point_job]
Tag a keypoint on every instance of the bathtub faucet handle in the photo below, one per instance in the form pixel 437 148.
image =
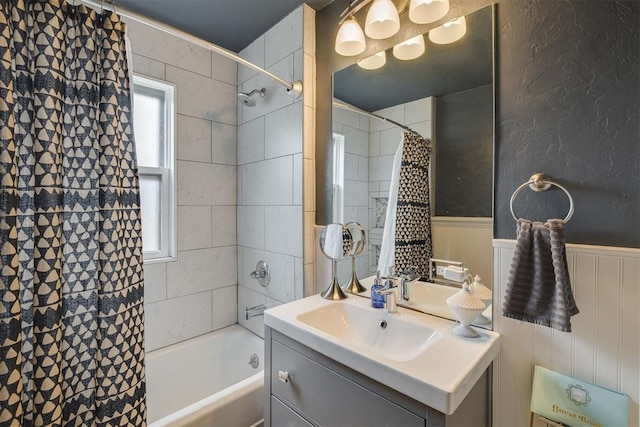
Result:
pixel 262 273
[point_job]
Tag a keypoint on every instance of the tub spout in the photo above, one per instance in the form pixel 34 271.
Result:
pixel 257 310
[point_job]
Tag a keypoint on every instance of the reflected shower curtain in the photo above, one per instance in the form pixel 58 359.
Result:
pixel 71 280
pixel 413 212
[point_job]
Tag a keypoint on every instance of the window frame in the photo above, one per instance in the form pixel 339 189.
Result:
pixel 167 174
pixel 337 179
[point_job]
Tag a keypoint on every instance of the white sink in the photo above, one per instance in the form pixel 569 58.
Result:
pixel 370 330
pixel 416 354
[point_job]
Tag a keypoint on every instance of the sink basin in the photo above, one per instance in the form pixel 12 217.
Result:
pixel 416 354
pixel 382 334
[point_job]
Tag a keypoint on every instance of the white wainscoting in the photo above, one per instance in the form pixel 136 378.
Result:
pixel 603 347
pixel 464 239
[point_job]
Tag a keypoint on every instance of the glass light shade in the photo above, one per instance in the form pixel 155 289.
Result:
pixel 409 49
pixel 426 11
pixel 449 32
pixel 350 39
pixel 374 61
pixel 382 20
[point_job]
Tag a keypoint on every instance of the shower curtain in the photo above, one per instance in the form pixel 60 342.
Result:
pixel 406 241
pixel 71 279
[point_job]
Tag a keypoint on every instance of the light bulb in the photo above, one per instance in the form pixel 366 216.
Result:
pixel 350 39
pixel 449 32
pixel 409 49
pixel 426 11
pixel 374 61
pixel 382 20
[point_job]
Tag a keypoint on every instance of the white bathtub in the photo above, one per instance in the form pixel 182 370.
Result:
pixel 207 380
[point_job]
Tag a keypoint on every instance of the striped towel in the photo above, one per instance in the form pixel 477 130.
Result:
pixel 538 289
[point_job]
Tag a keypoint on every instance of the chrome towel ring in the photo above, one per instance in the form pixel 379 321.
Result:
pixel 539 182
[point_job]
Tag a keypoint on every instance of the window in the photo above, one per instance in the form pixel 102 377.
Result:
pixel 338 177
pixel 154 124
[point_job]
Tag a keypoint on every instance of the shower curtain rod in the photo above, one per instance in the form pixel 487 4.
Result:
pixel 345 106
pixel 294 88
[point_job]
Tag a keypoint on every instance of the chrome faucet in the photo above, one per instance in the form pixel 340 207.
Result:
pixel 390 290
pixel 407 279
pixel 257 310
pixel 391 303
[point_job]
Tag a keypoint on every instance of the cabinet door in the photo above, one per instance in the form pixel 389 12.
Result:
pixel 283 416
pixel 329 399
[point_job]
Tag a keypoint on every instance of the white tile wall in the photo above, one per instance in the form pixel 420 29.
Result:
pixel 271 169
pixel 201 270
pixel 204 97
pixel 206 184
pixel 223 228
pixel 251 233
pixel 195 137
pixel 177 319
pixel 284 38
pixel 197 293
pixel 283 132
pixel 251 141
pixel 283 229
pixel 194 227
pixel 223 144
pixel 269 182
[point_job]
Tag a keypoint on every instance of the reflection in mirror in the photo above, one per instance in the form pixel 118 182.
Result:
pixel 358 235
pixel 446 95
pixel 336 244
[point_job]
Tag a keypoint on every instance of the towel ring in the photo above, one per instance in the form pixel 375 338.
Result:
pixel 538 183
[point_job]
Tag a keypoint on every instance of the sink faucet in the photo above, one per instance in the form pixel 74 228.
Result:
pixel 390 290
pixel 391 303
pixel 407 279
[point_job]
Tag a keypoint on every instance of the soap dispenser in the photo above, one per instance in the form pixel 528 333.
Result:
pixel 377 299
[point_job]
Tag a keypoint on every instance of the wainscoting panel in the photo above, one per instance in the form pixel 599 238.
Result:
pixel 602 349
pixel 464 239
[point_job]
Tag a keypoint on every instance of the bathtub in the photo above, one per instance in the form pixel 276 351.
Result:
pixel 208 380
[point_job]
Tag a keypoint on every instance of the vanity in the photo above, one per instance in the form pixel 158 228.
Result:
pixel 344 363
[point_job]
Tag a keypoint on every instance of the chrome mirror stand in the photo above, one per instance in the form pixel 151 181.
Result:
pixel 334 292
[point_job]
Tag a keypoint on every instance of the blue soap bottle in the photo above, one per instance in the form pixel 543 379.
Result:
pixel 377 299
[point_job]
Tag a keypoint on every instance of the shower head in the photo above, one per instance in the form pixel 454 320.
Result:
pixel 248 99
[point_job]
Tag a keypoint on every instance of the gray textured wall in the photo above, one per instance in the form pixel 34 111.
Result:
pixel 567 104
pixel 464 146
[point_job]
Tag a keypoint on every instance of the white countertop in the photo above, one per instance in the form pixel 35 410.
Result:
pixel 440 373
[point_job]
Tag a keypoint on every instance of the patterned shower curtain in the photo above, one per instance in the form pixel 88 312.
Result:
pixel 413 247
pixel 71 280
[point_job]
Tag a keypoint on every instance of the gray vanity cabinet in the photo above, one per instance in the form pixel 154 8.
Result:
pixel 306 388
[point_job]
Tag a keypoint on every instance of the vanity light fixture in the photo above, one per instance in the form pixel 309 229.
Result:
pixel 427 11
pixel 409 49
pixel 449 32
pixel 382 20
pixel 350 38
pixel 374 61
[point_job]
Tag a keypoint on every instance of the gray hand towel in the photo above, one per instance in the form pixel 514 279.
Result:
pixel 538 288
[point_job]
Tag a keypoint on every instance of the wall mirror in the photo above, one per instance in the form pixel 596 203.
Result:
pixel 447 96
